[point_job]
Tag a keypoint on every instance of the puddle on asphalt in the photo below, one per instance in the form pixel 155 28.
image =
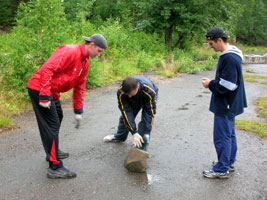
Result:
pixel 151 179
pixel 145 180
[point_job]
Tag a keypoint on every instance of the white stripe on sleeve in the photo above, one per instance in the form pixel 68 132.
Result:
pixel 227 84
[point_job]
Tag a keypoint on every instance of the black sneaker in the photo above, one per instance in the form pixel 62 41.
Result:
pixel 212 174
pixel 61 155
pixel 231 169
pixel 60 173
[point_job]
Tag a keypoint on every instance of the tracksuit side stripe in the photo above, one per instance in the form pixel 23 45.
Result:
pixel 150 89
pixel 150 106
pixel 53 156
pixel 123 111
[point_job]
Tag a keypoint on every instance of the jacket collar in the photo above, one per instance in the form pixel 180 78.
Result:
pixel 82 48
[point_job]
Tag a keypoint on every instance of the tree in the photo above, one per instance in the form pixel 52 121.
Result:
pixel 251 27
pixel 41 26
pixel 8 10
pixel 183 18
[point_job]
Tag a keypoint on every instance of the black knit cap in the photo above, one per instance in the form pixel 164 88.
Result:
pixel 98 39
pixel 216 33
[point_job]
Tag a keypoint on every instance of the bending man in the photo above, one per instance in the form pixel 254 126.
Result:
pixel 136 93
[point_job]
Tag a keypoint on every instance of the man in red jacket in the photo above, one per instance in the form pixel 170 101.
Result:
pixel 66 68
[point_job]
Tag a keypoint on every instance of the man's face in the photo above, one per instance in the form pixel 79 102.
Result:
pixel 215 45
pixel 133 92
pixel 95 50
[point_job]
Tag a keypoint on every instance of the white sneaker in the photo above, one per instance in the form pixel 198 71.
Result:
pixel 109 138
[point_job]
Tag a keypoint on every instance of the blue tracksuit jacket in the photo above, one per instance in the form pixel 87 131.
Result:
pixel 145 98
pixel 228 91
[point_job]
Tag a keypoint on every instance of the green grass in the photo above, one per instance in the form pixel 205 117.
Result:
pixel 167 73
pixel 5 122
pixel 247 49
pixel 11 105
pixel 249 70
pixel 258 128
pixel 252 80
pixel 255 78
pixel 262 107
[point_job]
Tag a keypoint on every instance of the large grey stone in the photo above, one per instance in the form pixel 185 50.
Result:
pixel 136 160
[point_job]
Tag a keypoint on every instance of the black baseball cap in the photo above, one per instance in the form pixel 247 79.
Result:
pixel 98 39
pixel 215 33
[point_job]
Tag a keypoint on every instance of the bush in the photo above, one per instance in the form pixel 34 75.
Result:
pixel 41 28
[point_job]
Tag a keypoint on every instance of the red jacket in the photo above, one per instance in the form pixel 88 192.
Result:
pixel 66 68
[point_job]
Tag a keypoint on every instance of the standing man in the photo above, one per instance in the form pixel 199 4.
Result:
pixel 66 68
pixel 136 93
pixel 227 101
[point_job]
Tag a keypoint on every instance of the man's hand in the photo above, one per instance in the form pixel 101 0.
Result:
pixel 205 82
pixel 78 118
pixel 137 140
pixel 45 105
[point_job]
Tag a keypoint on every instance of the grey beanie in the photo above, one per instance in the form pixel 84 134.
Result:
pixel 98 39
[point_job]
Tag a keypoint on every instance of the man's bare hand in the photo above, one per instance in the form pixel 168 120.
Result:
pixel 205 82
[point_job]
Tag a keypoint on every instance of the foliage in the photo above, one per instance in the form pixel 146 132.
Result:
pixel 249 49
pixel 41 27
pixel 185 19
pixel 251 27
pixel 137 33
pixel 8 10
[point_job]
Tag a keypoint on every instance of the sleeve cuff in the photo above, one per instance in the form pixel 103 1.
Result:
pixel 45 99
pixel 210 85
pixel 79 111
pixel 134 132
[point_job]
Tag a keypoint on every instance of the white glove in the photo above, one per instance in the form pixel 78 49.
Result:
pixel 45 105
pixel 137 140
pixel 78 118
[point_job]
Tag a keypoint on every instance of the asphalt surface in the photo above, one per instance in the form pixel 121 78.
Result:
pixel 181 148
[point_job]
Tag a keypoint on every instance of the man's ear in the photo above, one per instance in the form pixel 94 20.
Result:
pixel 220 40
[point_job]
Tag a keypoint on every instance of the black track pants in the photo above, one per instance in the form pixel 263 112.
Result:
pixel 49 120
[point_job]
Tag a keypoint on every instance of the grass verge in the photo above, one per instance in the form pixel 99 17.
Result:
pixel 11 105
pixel 262 107
pixel 258 128
pixel 255 78
pixel 248 49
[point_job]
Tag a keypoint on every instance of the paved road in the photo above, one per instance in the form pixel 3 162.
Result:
pixel 181 147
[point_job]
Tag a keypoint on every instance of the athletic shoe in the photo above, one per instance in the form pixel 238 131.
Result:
pixel 212 174
pixel 60 173
pixel 110 138
pixel 61 155
pixel 231 169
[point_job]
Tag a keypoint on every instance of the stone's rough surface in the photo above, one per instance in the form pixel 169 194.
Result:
pixel 136 160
